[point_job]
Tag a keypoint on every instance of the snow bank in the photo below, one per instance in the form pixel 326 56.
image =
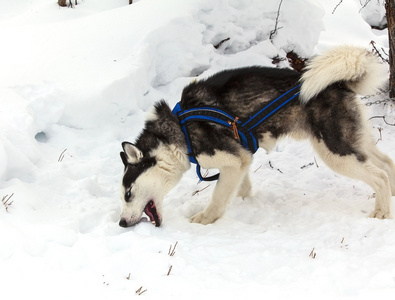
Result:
pixel 373 12
pixel 99 68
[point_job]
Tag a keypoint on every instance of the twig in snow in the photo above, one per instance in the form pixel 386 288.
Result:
pixel 315 160
pixel 258 168
pixel 5 202
pixel 345 246
pixel 61 156
pixel 306 166
pixel 172 251
pixel 221 42
pixel 168 273
pixel 271 166
pixel 139 291
pixel 312 254
pixel 128 277
pixel 380 136
pixel 198 191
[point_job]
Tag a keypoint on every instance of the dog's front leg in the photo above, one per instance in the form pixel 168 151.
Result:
pixel 232 173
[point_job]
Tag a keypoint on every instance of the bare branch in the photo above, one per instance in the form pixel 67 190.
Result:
pixel 386 60
pixel 333 11
pixel 274 31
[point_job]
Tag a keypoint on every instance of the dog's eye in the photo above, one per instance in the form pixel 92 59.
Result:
pixel 128 195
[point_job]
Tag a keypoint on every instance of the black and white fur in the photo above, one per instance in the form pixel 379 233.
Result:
pixel 327 112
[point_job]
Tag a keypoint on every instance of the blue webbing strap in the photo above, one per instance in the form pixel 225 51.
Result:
pixel 193 115
pixel 245 129
pixel 271 108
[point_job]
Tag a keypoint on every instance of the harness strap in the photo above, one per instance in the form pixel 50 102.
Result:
pixel 244 130
pixel 215 115
pixel 272 107
pixel 193 115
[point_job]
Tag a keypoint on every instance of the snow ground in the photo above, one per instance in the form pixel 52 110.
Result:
pixel 75 83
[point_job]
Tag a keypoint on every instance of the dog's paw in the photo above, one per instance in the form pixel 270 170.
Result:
pixel 379 214
pixel 202 218
pixel 244 194
pixel 244 190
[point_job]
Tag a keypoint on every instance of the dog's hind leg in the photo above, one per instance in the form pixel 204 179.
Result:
pixel 384 162
pixel 245 187
pixel 365 170
pixel 233 170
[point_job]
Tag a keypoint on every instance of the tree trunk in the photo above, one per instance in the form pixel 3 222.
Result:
pixel 130 1
pixel 62 2
pixel 390 14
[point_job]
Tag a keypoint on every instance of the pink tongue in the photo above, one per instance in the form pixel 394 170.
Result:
pixel 150 209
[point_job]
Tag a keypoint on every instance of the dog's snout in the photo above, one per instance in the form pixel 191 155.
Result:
pixel 123 223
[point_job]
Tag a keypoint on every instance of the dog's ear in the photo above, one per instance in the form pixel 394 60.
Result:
pixel 131 154
pixel 124 159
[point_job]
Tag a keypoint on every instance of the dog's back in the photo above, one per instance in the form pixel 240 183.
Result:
pixel 329 86
pixel 241 92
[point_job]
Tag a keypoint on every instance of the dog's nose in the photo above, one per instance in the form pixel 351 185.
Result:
pixel 123 223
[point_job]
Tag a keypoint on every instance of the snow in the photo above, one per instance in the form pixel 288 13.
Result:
pixel 75 83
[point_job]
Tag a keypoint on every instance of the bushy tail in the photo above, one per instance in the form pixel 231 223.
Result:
pixel 360 69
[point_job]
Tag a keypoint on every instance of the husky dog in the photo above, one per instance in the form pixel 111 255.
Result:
pixel 327 112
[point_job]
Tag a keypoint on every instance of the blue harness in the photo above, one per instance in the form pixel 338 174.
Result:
pixel 243 130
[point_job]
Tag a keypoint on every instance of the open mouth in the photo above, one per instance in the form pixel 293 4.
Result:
pixel 150 211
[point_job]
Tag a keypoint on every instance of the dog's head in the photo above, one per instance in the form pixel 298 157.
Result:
pixel 143 187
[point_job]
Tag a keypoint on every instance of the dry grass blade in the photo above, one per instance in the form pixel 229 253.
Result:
pixel 198 191
pixel 380 135
pixel 61 156
pixel 5 200
pixel 315 160
pixel 168 273
pixel 139 291
pixel 172 251
pixel 312 254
